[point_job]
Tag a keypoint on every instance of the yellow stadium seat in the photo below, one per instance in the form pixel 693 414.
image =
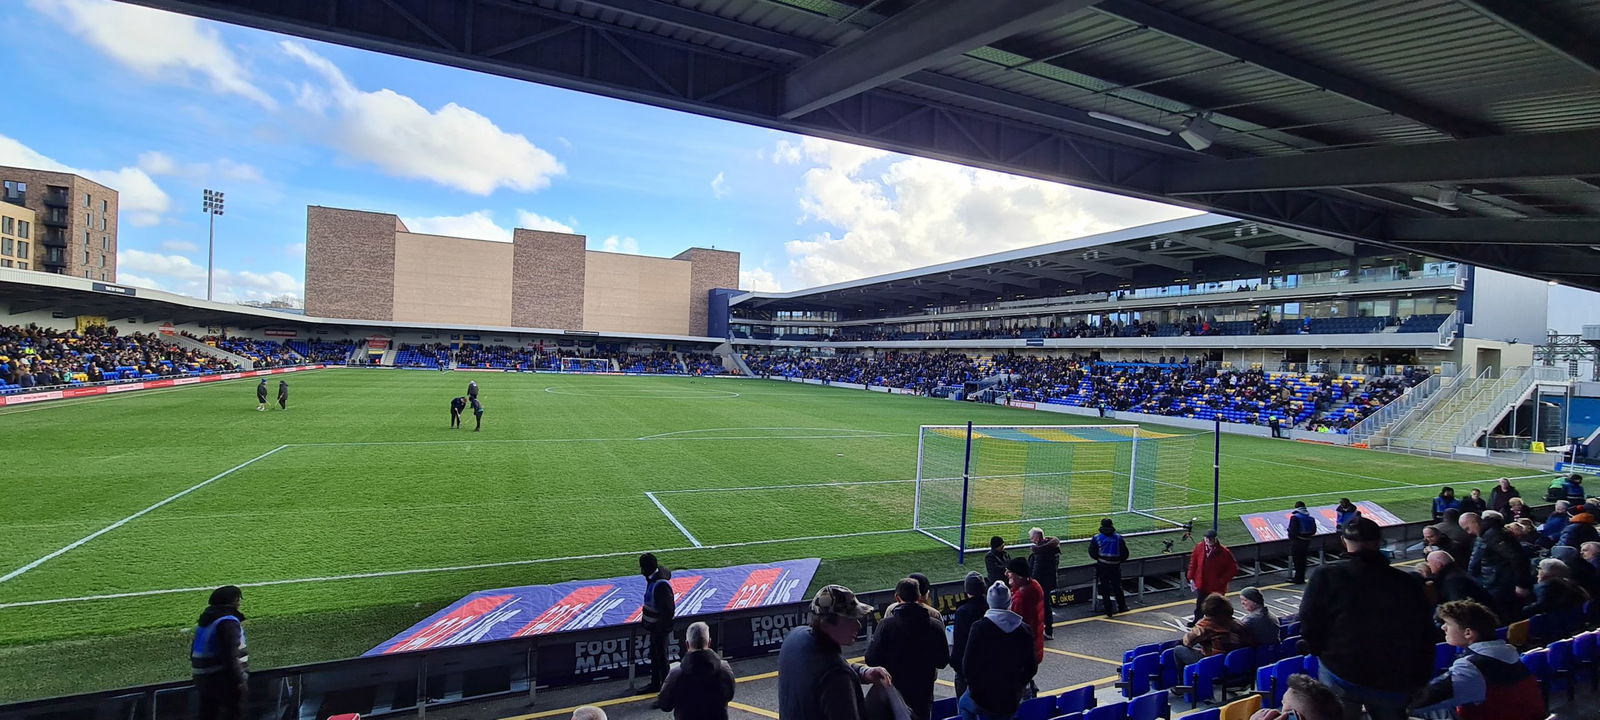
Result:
pixel 1242 708
pixel 1517 634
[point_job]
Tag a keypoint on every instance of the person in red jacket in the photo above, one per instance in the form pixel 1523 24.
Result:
pixel 1027 600
pixel 1211 567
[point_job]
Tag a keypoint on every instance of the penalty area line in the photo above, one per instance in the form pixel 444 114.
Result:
pixel 675 523
pixel 130 518
pixel 454 568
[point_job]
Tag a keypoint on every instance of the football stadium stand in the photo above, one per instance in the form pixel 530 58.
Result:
pixel 35 357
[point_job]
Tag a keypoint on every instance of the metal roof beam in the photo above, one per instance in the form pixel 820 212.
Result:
pixel 1095 266
pixel 1221 247
pixel 923 35
pixel 1566 154
pixel 1341 246
pixel 1582 232
pixel 1533 21
pixel 1149 258
pixel 1361 91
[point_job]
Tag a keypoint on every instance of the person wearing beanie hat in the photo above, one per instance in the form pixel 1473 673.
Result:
pixel 1370 625
pixel 1302 527
pixel 1108 551
pixel 912 647
pixel 1260 628
pixel 994 561
pixel 1211 568
pixel 1027 600
pixel 999 662
pixel 968 612
pixel 814 679
pixel 219 657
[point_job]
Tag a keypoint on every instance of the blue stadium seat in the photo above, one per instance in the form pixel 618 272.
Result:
pixel 1039 708
pixel 1149 706
pixel 1114 711
pixel 945 707
pixel 1075 701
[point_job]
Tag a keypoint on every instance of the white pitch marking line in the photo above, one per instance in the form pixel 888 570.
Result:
pixel 456 568
pixel 748 429
pixel 124 521
pixel 675 523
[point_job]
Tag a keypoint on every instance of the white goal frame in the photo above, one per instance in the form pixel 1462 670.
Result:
pixel 585 365
pixel 967 477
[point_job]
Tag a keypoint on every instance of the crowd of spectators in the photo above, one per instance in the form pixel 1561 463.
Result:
pixel 264 353
pixel 1325 402
pixel 1190 326
pixel 703 363
pixel 423 355
pixel 474 355
pixel 323 351
pixel 31 356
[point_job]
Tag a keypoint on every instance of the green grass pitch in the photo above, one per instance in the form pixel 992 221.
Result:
pixel 363 512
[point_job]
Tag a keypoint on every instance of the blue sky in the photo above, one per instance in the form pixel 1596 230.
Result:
pixel 160 106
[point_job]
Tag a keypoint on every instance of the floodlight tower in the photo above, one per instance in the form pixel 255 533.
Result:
pixel 212 208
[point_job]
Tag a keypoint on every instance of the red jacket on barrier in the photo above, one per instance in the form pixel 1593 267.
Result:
pixel 1211 573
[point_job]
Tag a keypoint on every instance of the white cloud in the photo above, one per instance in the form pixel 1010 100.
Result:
pixel 786 153
pixel 295 250
pixel 139 198
pixel 535 221
pixel 620 245
pixel 157 44
pixel 758 280
pixel 179 246
pixel 453 146
pixel 178 274
pixel 917 212
pixel 478 224
pixel 156 162
pixel 719 186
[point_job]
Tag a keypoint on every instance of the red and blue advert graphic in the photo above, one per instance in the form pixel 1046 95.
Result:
pixel 1269 526
pixel 541 609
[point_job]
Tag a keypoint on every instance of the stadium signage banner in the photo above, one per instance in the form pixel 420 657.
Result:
pixel 1577 468
pixel 586 604
pixel 1270 526
pixel 114 289
pixel 78 392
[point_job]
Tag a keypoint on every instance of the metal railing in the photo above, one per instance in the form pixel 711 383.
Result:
pixel 1413 396
pixel 1448 330
pixel 1526 377
pixel 1448 388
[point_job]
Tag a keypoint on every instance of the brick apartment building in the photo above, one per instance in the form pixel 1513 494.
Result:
pixel 74 230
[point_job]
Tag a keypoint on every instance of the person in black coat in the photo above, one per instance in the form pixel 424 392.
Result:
pixel 1500 496
pixel 1474 502
pixel 283 395
pixel 1370 625
pixel 261 395
pixel 701 685
pixel 1109 551
pixel 999 661
pixel 660 607
pixel 1451 581
pixel 994 561
pixel 967 613
pixel 911 645
pixel 220 659
pixel 1044 561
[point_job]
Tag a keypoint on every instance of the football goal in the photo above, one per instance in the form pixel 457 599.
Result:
pixel 975 482
pixel 585 365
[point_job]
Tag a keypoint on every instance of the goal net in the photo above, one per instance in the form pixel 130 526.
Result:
pixel 974 482
pixel 585 365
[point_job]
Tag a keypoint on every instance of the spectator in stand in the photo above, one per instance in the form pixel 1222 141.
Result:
pixel 1555 592
pixel 967 613
pixel 1301 529
pixel 999 662
pixel 1488 681
pixel 1579 530
pixel 220 659
pixel 996 560
pixel 588 712
pixel 1306 699
pixel 1518 510
pixel 1553 525
pixel 1591 554
pixel 1500 497
pixel 1435 541
pixel 1474 502
pixel 1581 572
pixel 814 680
pixel 1044 560
pixel 1371 627
pixel 1345 512
pixel 1451 582
pixel 700 686
pixel 1027 600
pixel 1574 489
pixel 911 646
pixel 1211 568
pixel 1260 628
pixel 1445 501
pixel 1459 537
pixel 925 596
pixel 1497 562
pixel 1109 551
pixel 1215 634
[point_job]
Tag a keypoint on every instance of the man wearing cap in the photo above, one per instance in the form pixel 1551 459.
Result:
pixel 814 680
pixel 911 646
pixel 1260 628
pixel 999 661
pixel 660 606
pixel 1371 627
pixel 219 657
pixel 1211 568
pixel 1108 551
pixel 967 613
pixel 1300 531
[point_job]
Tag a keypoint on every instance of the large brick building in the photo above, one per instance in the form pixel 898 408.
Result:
pixel 75 228
pixel 369 266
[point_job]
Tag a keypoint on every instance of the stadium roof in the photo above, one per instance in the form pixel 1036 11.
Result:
pixel 1203 248
pixel 1468 129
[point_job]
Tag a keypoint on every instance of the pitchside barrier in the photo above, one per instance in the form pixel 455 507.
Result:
pixel 413 682
pixel 69 392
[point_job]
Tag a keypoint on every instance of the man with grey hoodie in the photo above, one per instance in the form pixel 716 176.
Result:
pixel 998 662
